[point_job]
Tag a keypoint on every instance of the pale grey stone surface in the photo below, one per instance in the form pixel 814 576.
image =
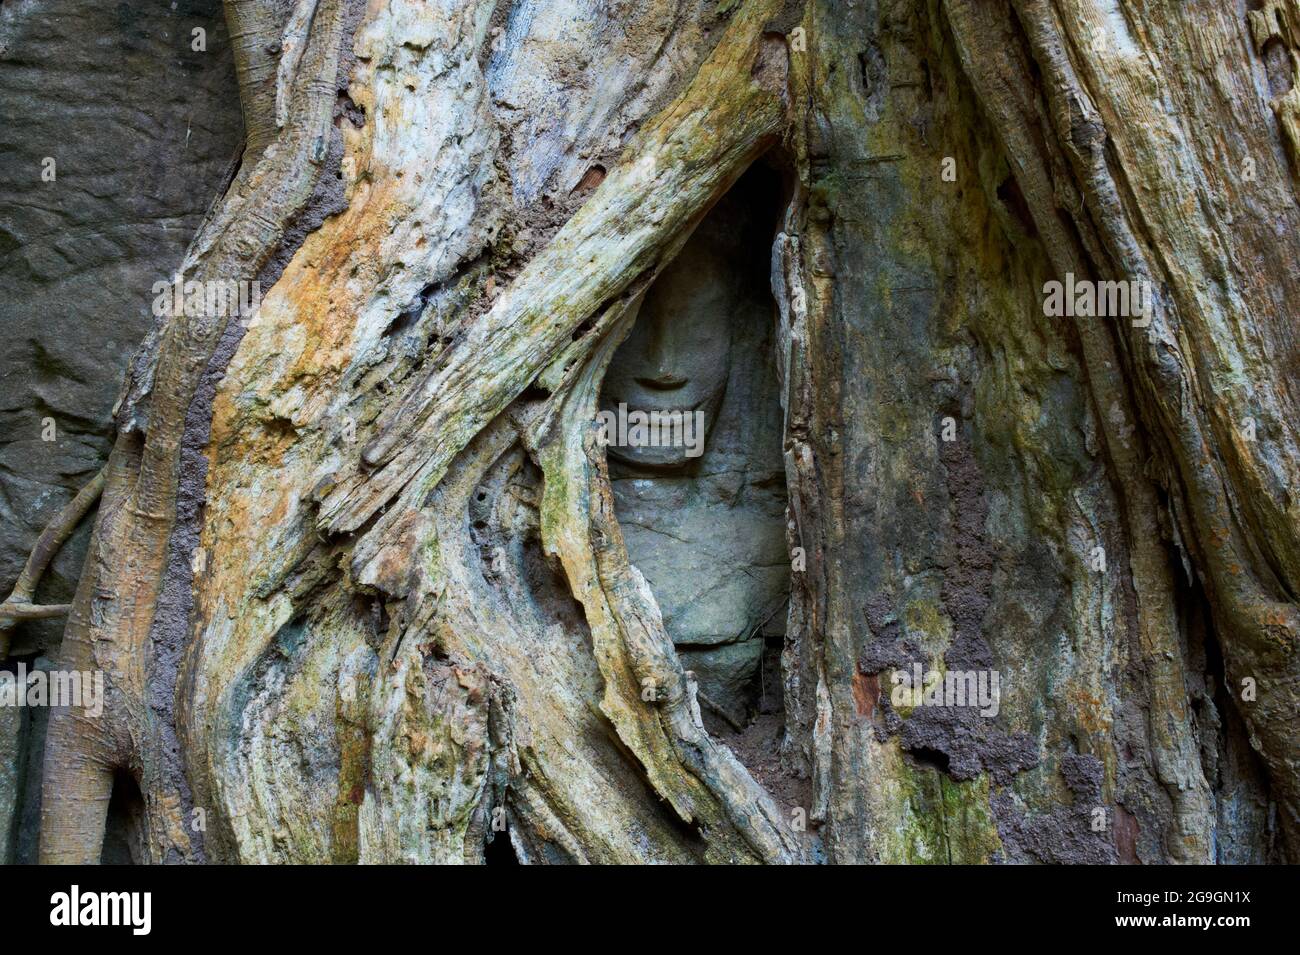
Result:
pixel 708 532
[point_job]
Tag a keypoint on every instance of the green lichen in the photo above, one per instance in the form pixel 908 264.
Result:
pixel 942 821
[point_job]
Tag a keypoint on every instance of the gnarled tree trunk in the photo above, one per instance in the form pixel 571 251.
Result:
pixel 358 582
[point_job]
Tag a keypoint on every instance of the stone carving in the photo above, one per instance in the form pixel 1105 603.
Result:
pixel 708 531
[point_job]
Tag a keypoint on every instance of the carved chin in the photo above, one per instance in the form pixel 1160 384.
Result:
pixel 671 456
pixel 656 458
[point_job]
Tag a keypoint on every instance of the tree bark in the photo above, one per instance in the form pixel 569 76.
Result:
pixel 358 583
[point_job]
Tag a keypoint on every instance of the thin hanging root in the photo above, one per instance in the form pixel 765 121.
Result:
pixel 719 712
pixel 21 611
pixel 18 606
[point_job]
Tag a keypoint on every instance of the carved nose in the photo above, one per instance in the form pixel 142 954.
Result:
pixel 662 381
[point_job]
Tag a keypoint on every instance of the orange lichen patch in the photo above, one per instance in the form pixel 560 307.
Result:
pixel 280 383
pixel 245 515
pixel 1278 616
pixel 303 338
pixel 329 298
pixel 1090 710
pixel 472 682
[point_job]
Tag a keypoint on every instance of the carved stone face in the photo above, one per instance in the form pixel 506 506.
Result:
pixel 678 355
pixel 708 531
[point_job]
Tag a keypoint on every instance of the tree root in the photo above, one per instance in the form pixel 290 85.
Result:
pixel 456 596
pixel 18 605
pixel 110 620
